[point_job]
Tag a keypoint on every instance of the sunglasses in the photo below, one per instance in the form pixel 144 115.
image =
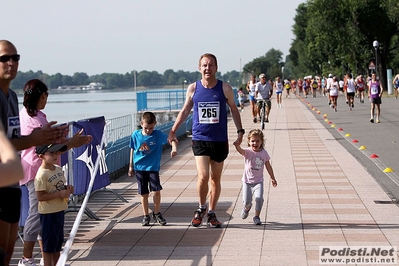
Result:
pixel 6 58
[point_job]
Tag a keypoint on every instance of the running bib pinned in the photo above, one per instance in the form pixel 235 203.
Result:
pixel 208 112
pixel 374 90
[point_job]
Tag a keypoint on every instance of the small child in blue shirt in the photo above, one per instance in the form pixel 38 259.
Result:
pixel 146 146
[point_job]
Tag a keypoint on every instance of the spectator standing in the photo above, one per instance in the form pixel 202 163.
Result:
pixel 10 196
pixel 31 117
pixel 52 193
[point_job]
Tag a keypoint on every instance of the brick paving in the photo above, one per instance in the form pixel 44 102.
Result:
pixel 324 197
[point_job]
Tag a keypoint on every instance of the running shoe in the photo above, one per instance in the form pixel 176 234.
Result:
pixel 378 120
pixel 213 221
pixel 197 219
pixel 159 218
pixel 255 120
pixel 257 220
pixel 146 220
pixel 244 213
pixel 27 262
pixel 371 120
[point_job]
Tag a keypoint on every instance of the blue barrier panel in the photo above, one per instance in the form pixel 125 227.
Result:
pixel 142 101
pixel 117 154
pixel 235 91
pixel 160 100
pixel 84 157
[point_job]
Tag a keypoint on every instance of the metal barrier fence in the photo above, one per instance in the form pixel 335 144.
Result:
pixel 119 130
pixel 160 100
pixel 119 127
pixel 117 150
pixel 165 100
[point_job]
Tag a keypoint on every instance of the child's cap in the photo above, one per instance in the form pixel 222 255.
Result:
pixel 51 148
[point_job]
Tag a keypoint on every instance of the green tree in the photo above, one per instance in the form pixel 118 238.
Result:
pixel 80 78
pixel 170 77
pixel 270 64
pixel 337 35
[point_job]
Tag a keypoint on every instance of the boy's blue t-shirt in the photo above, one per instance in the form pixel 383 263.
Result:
pixel 147 160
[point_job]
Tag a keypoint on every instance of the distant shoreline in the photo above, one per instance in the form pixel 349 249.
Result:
pixel 139 88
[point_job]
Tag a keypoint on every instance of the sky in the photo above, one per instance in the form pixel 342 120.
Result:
pixel 119 36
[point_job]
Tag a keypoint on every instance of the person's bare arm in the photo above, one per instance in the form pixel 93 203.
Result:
pixel 247 87
pixel 131 168
pixel 41 136
pixel 238 148
pixel 183 114
pixel 229 94
pixel 10 164
pixel 173 152
pixel 271 173
pixel 78 140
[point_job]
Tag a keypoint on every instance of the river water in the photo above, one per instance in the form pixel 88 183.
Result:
pixel 73 106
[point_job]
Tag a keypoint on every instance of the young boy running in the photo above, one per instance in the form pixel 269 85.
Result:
pixel 146 147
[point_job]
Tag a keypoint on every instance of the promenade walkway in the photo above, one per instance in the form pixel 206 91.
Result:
pixel 324 197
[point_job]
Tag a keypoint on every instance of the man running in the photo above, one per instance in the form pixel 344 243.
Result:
pixel 210 145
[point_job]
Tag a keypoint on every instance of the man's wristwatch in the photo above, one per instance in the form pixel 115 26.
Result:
pixel 241 131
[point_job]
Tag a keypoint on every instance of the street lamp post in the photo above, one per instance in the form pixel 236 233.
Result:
pixel 182 88
pixel 282 73
pixel 182 84
pixel 135 87
pixel 376 45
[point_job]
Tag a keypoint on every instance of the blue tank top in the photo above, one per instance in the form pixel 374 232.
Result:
pixel 210 113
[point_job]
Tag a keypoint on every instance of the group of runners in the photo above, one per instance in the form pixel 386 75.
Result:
pixel 349 86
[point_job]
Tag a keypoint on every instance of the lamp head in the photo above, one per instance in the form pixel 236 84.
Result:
pixel 376 44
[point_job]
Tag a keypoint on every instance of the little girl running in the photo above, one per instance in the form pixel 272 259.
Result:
pixel 255 158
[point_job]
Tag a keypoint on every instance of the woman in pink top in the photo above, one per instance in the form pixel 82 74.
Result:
pixel 31 117
pixel 255 159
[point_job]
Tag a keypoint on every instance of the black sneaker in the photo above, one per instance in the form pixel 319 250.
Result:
pixel 146 220
pixel 197 219
pixel 255 120
pixel 159 218
pixel 213 221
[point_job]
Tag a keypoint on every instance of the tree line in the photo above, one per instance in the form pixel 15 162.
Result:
pixel 121 81
pixel 336 36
